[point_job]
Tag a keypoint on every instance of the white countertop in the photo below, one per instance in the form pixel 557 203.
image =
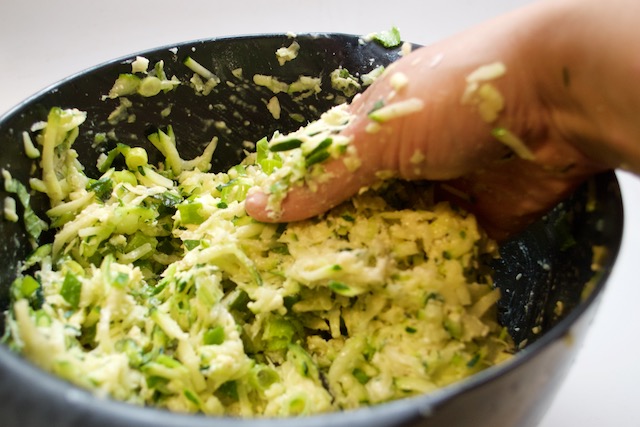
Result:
pixel 44 41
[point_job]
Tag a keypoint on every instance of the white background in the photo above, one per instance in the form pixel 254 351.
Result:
pixel 44 41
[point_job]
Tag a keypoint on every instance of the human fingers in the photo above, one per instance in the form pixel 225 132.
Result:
pixel 407 125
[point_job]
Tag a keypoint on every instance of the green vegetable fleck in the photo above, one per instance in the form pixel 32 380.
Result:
pixel 388 39
pixel 71 290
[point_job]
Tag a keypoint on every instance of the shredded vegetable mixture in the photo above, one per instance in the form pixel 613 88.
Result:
pixel 158 289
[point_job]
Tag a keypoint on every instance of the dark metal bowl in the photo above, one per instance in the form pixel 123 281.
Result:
pixel 550 262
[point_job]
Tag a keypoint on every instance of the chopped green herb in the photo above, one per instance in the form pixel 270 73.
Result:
pixel 473 361
pixel 278 333
pixel 322 146
pixel 71 290
pixel 388 39
pixel 29 288
pixel 214 336
pixel 361 376
pixel 191 244
pixel 101 187
pixel 303 361
pixel 342 288
pixel 190 213
pixel 229 390
pixel 192 397
pixel 318 157
pixel 453 327
pixel 169 199
pixel 287 145
pixel 121 279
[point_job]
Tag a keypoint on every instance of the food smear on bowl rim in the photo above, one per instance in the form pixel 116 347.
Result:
pixel 158 289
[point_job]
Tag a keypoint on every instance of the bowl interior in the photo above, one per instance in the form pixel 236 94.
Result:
pixel 542 273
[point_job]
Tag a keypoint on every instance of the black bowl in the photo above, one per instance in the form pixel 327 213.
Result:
pixel 551 263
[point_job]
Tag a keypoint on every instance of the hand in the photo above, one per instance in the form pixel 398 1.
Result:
pixel 566 96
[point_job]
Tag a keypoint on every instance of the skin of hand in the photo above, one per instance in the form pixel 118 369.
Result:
pixel 568 95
